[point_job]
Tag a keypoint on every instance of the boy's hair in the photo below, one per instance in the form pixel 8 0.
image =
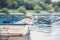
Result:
pixel 28 17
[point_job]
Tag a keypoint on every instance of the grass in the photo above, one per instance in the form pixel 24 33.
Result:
pixel 16 11
pixel 12 11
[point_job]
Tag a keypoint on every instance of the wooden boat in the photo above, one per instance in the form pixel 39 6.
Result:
pixel 13 29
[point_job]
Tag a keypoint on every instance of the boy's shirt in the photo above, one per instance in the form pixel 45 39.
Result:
pixel 24 21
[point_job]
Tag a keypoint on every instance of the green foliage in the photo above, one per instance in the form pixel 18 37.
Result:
pixel 50 8
pixel 21 2
pixel 22 9
pixel 58 3
pixel 12 4
pixel 15 5
pixel 4 10
pixel 56 6
pixel 30 5
pixel 48 1
pixel 57 9
pixel 45 5
pixel 9 2
pixel 37 9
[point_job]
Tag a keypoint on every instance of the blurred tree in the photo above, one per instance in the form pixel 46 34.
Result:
pixel 4 10
pixel 9 2
pixel 37 9
pixel 21 2
pixel 58 3
pixel 54 4
pixel 42 5
pixel 50 8
pixel 12 4
pixel 29 5
pixel 57 9
pixel 48 1
pixel 22 9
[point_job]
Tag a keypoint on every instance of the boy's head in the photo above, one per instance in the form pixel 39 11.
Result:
pixel 28 18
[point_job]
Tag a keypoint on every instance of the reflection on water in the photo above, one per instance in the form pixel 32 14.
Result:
pixel 43 28
pixel 47 28
pixel 46 33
